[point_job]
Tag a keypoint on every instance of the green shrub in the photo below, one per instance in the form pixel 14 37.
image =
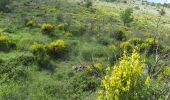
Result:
pixel 136 41
pixel 41 56
pixel 119 34
pixel 104 40
pixel 88 3
pixel 151 45
pixel 126 16
pixel 68 34
pixel 60 17
pixel 78 29
pixel 63 27
pixel 30 23
pixel 81 83
pixel 3 5
pixel 126 46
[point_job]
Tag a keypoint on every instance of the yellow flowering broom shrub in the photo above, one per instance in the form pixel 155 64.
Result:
pixel 5 43
pixel 126 81
pixel 41 56
pixel 56 48
pixel 47 29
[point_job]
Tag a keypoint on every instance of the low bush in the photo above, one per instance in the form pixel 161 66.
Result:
pixel 88 3
pixel 68 34
pixel 104 40
pixel 63 27
pixel 119 34
pixel 47 29
pixel 126 46
pixel 41 56
pixel 149 45
pixel 3 5
pixel 30 23
pixel 56 48
pixel 81 83
pixel 136 41
pixel 5 43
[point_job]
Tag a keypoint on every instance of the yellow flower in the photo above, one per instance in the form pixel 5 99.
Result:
pixel 147 81
pixel 98 66
pixel 58 43
pixel 47 28
pixel 4 38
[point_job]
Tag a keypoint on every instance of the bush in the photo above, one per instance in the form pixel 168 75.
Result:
pixel 136 41
pixel 81 83
pixel 68 34
pixel 126 80
pixel 5 43
pixel 104 40
pixel 151 45
pixel 56 48
pixel 126 46
pixel 42 58
pixel 47 29
pixel 3 5
pixel 88 3
pixel 126 16
pixel 38 49
pixel 63 27
pixel 119 34
pixel 30 23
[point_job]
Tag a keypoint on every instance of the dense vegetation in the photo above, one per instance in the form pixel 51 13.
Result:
pixel 84 50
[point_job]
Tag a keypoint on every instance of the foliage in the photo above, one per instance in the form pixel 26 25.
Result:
pixel 126 80
pixel 82 82
pixel 31 23
pixel 3 5
pixel 126 16
pixel 47 29
pixel 62 26
pixel 88 3
pixel 119 34
pixel 68 34
pixel 5 43
pixel 42 58
pixel 56 48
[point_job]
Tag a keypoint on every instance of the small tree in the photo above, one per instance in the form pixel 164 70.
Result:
pixel 126 16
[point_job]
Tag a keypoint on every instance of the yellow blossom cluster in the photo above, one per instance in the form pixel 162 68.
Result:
pixel 47 28
pixel 125 80
pixel 4 38
pixel 57 43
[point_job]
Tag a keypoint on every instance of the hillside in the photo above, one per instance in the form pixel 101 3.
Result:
pixel 84 50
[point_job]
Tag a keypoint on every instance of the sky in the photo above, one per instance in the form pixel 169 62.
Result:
pixel 159 1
